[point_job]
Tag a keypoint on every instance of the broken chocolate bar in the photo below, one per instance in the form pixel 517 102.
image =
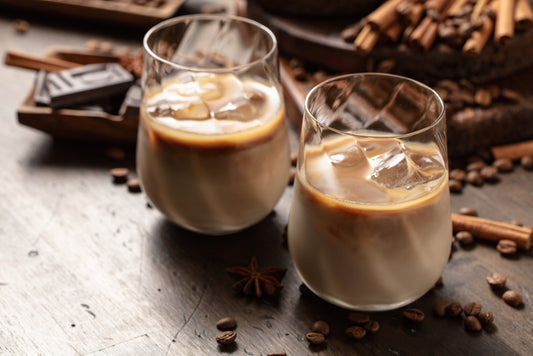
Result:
pixel 132 102
pixel 86 83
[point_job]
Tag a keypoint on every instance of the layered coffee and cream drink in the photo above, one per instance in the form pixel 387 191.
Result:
pixel 213 151
pixel 369 224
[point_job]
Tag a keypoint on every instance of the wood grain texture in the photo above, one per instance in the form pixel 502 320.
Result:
pixel 87 268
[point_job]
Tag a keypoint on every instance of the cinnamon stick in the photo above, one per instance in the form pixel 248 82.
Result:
pixel 424 34
pixel 475 44
pixel 513 151
pixel 523 15
pixel 478 9
pixel 456 7
pixel 385 15
pixel 30 61
pixel 504 27
pixel 492 230
pixel 366 40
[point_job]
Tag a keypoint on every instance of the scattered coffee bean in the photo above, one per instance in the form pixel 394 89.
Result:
pixel 358 318
pixel 486 318
pixel 277 353
pixel 527 162
pixel 226 337
pixel 454 309
pixel 320 326
pixel 120 175
pixel 21 26
pixel 300 74
pixel 134 185
pixel 356 332
pixel 490 174
pixel 414 314
pixel 512 298
pixel 474 178
pixel 471 323
pixel 315 338
pixel 507 247
pixel 294 158
pixel 455 186
pixel 472 308
pixel 372 326
pixel 503 165
pixel 464 237
pixel 227 323
pixel 439 308
pixel 466 210
pixel 475 166
pixel 496 280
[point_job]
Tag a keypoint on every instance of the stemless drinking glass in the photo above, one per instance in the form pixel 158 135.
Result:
pixel 370 222
pixel 212 150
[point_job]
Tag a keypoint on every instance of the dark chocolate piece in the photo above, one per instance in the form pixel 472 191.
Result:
pixel 87 83
pixel 132 102
pixel 41 96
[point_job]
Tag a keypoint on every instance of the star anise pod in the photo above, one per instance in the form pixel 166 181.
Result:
pixel 253 280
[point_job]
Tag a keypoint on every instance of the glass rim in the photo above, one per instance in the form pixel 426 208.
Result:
pixel 440 117
pixel 219 17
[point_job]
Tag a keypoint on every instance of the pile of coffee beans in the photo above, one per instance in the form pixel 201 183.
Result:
pixel 121 175
pixel 474 318
pixel 497 283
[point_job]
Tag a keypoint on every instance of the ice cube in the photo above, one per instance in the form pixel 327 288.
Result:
pixel 350 155
pixel 239 109
pixel 404 165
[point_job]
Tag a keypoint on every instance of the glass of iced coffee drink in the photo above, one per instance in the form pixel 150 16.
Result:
pixel 212 150
pixel 370 222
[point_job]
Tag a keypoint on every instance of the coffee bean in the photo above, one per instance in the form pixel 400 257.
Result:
pixel 294 158
pixel 315 338
pixel 320 326
pixel 134 185
pixel 356 332
pixel 489 174
pixel 455 186
pixel 483 97
pixel 454 309
pixel 227 323
pixel 472 308
pixel 414 314
pixel 474 178
pixel 496 280
pixel 503 165
pixel 439 308
pixel 358 318
pixel 120 175
pixel 464 237
pixel 458 174
pixel 475 166
pixel 21 26
pixel 277 353
pixel 471 323
pixel 372 326
pixel 466 210
pixel 507 247
pixel 512 298
pixel 486 318
pixel 300 74
pixel 226 337
pixel 527 162
pixel 516 223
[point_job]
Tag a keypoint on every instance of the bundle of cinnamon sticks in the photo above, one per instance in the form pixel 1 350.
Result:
pixel 464 24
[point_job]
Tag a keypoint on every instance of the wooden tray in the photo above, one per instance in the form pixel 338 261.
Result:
pixel 113 11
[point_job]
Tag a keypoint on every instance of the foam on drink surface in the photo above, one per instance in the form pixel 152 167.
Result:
pixel 212 104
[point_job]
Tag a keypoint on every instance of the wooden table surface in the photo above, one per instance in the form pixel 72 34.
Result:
pixel 87 268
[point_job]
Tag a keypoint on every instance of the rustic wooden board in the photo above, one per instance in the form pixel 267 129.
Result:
pixel 111 11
